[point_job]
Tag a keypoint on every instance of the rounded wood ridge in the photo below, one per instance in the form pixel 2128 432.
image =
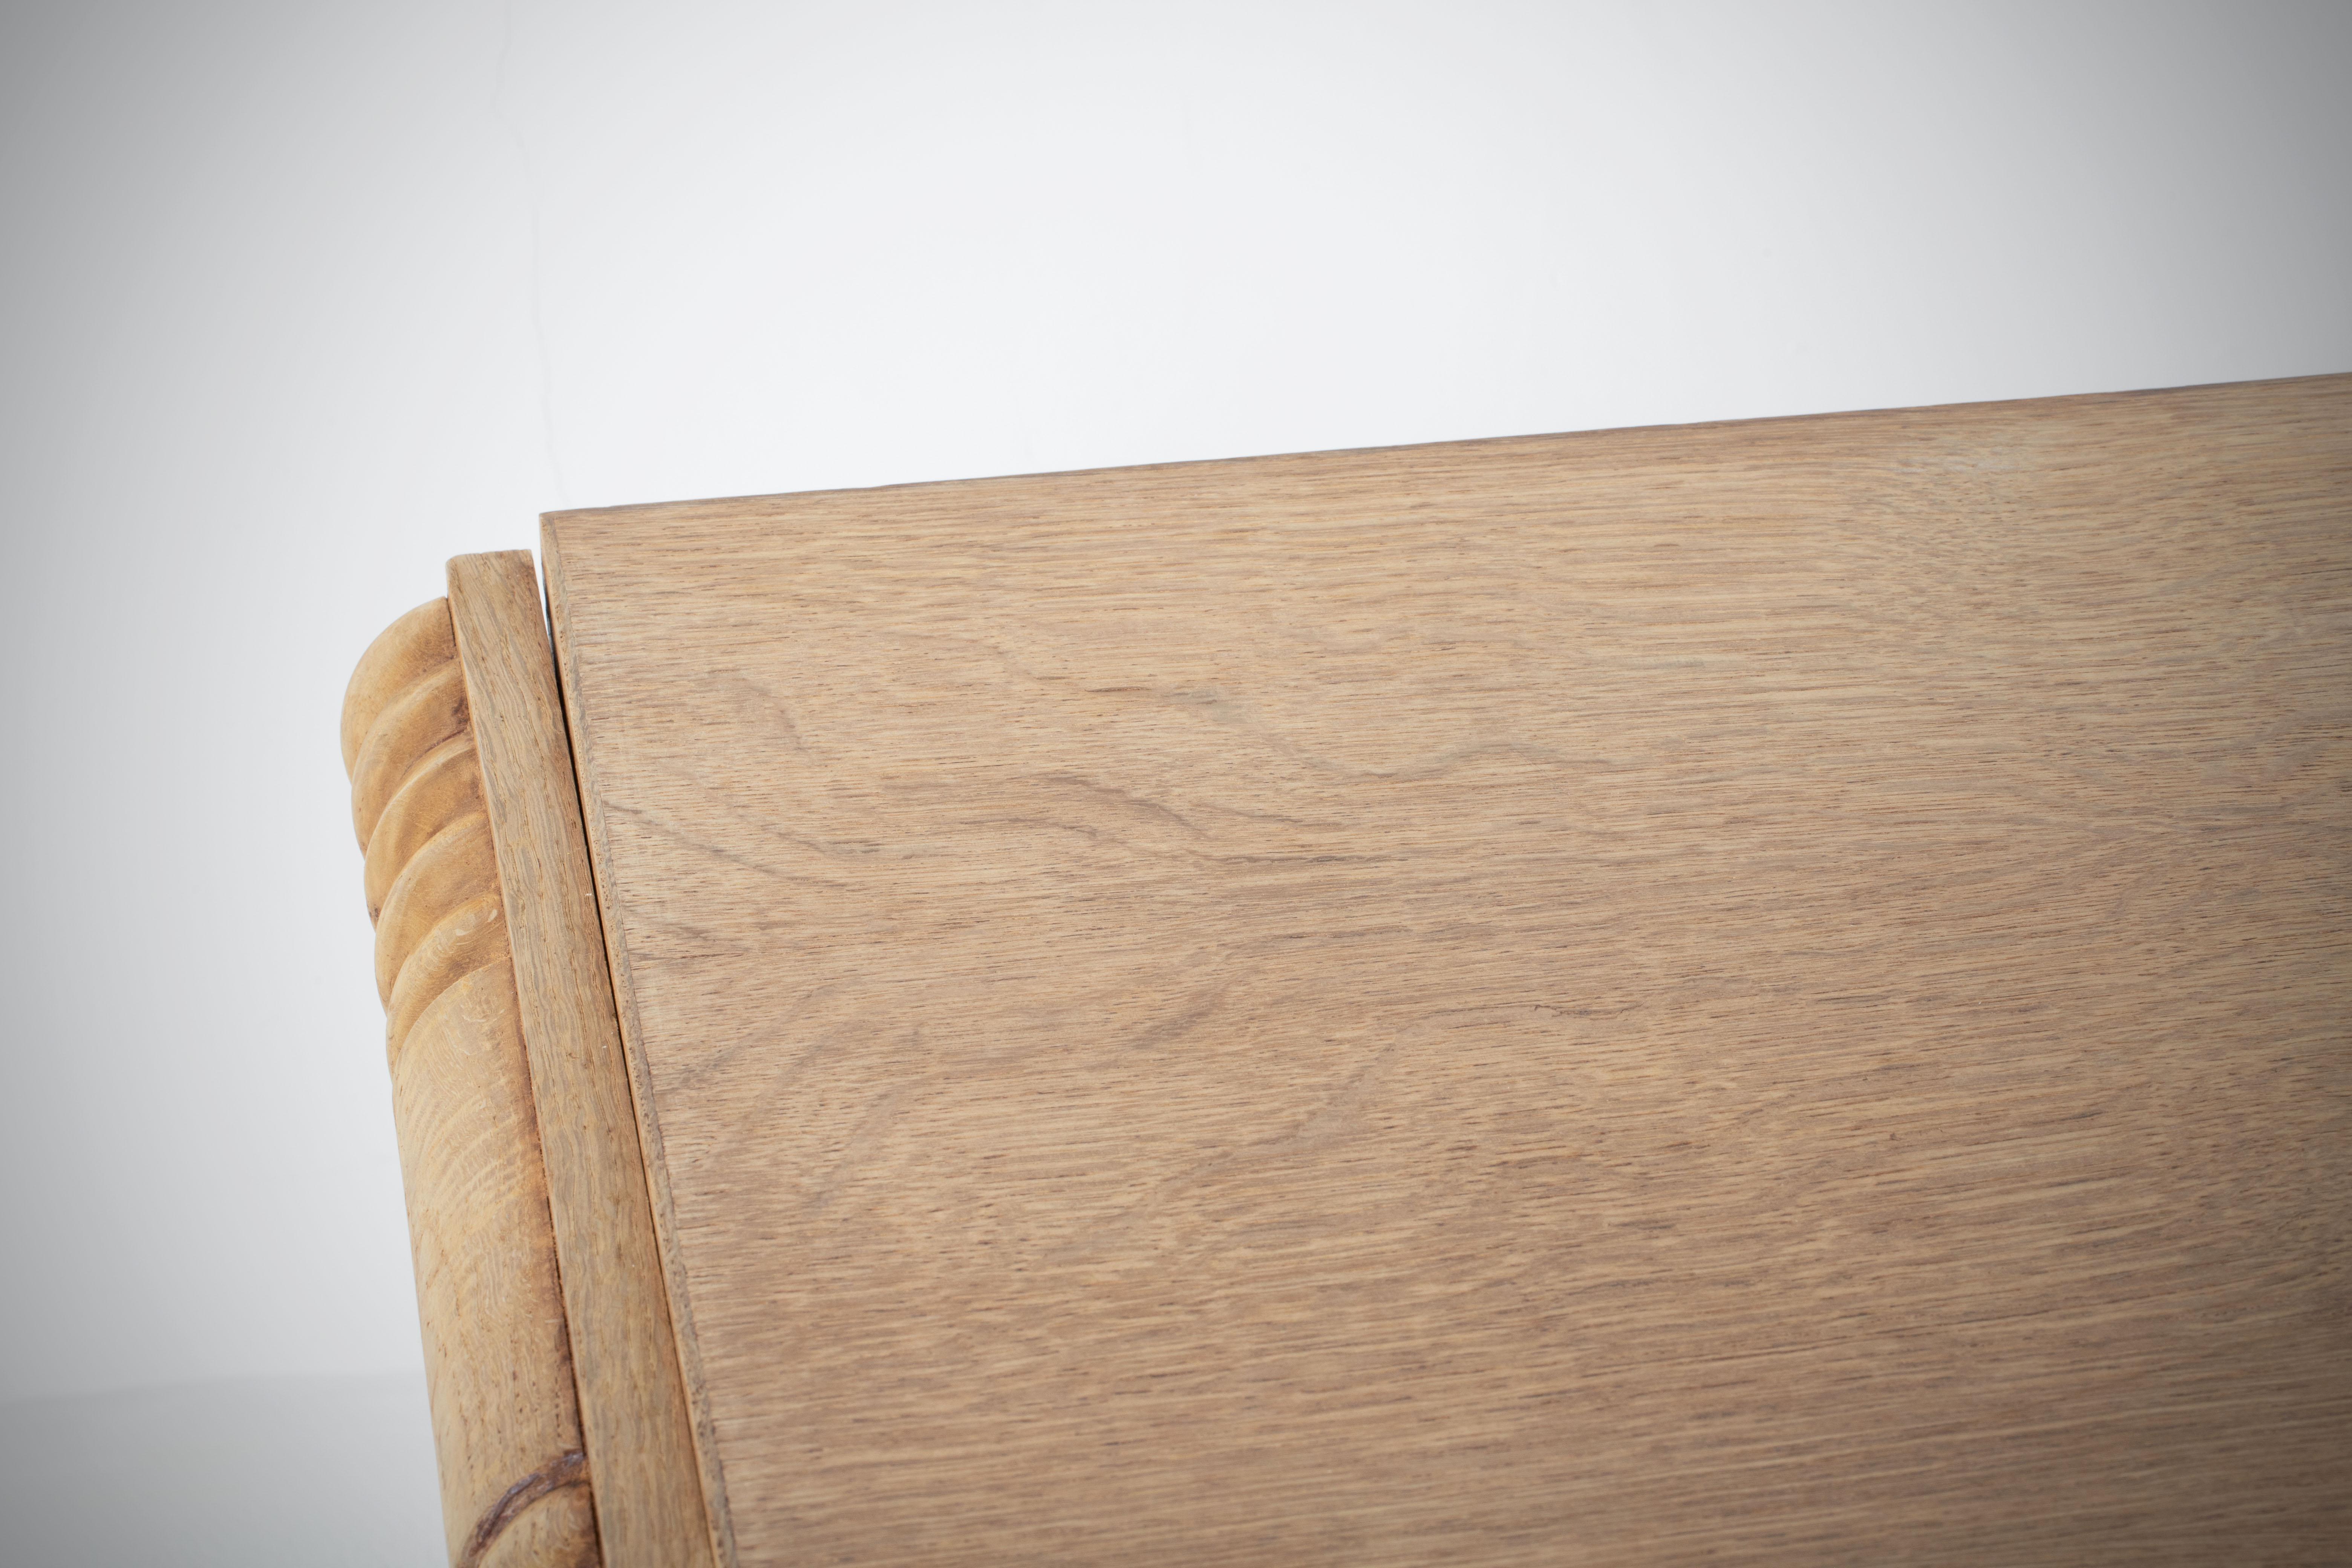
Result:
pixel 506 1423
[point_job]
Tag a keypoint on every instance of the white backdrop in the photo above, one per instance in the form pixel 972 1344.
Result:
pixel 301 299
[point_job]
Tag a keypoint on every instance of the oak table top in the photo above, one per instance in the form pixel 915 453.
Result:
pixel 1777 990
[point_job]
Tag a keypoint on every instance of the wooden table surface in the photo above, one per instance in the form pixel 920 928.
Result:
pixel 1771 992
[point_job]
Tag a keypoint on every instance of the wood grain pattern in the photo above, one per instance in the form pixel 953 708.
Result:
pixel 1771 992
pixel 633 1406
pixel 506 1428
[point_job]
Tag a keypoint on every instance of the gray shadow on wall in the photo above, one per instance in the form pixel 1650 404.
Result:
pixel 275 1472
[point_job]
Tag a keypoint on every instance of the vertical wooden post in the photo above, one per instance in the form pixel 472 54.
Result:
pixel 633 1406
pixel 498 1362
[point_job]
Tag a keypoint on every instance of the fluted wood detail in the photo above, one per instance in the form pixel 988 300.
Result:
pixel 506 1424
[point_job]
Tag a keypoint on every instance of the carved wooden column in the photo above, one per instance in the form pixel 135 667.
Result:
pixel 506 1422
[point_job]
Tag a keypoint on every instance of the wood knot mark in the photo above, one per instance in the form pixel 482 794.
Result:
pixel 570 1469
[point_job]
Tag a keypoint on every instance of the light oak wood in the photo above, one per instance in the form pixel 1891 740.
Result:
pixel 1771 992
pixel 640 1444
pixel 497 1369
